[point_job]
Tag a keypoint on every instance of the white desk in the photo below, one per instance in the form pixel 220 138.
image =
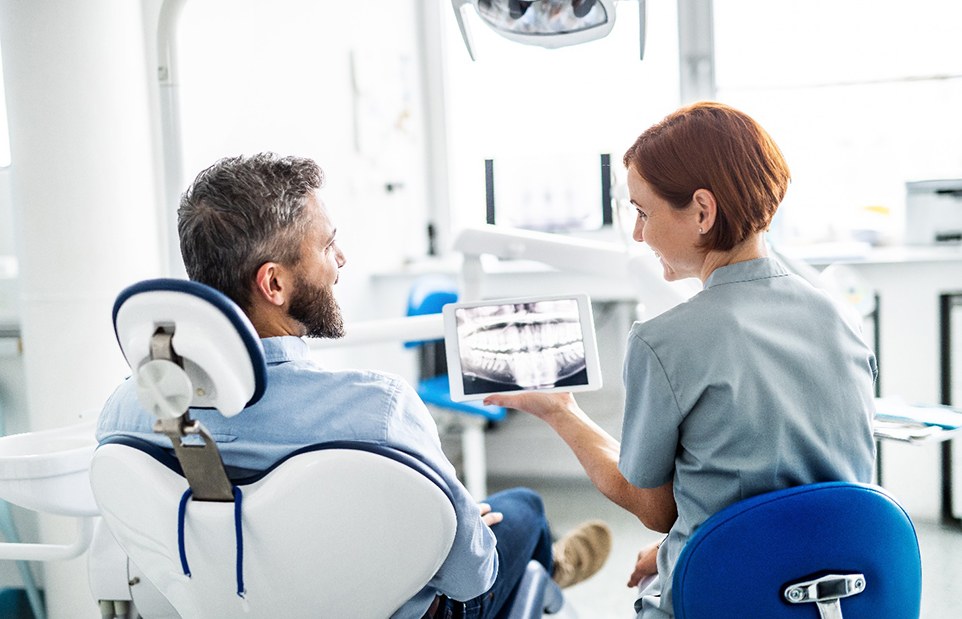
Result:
pixel 910 282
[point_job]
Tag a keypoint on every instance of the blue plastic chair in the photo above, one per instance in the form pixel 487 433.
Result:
pixel 804 552
pixel 428 295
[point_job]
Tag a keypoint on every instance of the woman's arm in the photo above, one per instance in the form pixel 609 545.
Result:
pixel 597 451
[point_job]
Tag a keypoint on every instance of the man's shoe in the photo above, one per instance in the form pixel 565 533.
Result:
pixel 581 553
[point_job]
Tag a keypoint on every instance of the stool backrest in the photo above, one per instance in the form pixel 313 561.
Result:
pixel 743 561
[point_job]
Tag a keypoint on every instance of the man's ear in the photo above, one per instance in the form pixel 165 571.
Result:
pixel 707 209
pixel 271 284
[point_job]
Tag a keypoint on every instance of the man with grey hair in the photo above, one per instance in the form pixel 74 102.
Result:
pixel 255 228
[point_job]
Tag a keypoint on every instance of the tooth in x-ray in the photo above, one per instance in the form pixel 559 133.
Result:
pixel 526 344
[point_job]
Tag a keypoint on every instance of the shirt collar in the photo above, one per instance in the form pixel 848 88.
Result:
pixel 284 348
pixel 748 270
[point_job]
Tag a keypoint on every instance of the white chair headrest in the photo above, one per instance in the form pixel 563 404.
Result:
pixel 223 356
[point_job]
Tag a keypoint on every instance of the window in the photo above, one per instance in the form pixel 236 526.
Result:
pixel 522 104
pixel 861 96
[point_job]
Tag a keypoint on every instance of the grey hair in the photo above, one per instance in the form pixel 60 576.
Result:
pixel 242 212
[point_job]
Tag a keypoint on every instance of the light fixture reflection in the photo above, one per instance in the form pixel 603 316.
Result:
pixel 546 23
pixel 543 17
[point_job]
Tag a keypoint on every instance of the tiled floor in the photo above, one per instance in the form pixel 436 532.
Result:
pixel 605 596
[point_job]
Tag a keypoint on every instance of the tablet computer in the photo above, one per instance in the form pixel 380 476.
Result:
pixel 544 343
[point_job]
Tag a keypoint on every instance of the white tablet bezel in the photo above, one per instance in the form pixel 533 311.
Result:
pixel 453 346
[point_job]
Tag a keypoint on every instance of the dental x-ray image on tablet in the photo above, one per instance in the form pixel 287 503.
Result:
pixel 534 343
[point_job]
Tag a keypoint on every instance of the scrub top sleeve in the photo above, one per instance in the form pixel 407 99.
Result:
pixel 649 436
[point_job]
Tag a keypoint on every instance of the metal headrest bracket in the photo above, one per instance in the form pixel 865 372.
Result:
pixel 164 389
pixel 826 592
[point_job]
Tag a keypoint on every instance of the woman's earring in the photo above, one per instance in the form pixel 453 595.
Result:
pixel 700 231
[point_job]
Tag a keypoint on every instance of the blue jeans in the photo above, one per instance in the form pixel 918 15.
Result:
pixel 522 535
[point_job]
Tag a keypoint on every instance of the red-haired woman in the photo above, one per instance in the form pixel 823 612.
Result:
pixel 758 382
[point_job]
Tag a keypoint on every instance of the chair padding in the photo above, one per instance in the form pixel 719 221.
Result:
pixel 739 561
pixel 222 353
pixel 332 533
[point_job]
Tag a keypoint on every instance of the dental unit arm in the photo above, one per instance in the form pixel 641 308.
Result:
pixel 635 269
pixel 638 269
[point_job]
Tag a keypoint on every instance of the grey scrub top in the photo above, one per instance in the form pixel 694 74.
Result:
pixel 758 382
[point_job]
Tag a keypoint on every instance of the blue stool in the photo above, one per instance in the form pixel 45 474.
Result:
pixel 805 552
pixel 427 296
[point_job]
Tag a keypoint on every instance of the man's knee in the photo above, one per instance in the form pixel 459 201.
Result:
pixel 517 498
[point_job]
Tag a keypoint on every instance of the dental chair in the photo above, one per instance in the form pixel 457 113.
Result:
pixel 825 550
pixel 342 529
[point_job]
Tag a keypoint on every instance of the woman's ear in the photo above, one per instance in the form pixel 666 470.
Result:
pixel 270 284
pixel 707 209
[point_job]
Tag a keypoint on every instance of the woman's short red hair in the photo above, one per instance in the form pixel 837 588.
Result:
pixel 713 146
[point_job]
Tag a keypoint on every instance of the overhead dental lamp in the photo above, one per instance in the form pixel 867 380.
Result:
pixel 546 23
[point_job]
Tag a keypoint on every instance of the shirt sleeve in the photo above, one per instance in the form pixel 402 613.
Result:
pixel 649 437
pixel 472 564
pixel 122 414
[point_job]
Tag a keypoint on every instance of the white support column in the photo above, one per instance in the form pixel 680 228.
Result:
pixel 432 55
pixel 85 220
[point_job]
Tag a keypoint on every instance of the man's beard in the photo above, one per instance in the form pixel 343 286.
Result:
pixel 316 308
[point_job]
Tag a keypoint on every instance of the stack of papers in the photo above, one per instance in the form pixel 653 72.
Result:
pixel 895 419
pixel 895 409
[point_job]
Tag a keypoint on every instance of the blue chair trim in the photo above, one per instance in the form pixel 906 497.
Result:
pixel 219 300
pixel 160 454
pixel 393 453
pixel 168 459
pixel 181 517
pixel 238 537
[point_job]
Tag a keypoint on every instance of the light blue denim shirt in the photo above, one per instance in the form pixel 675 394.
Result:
pixel 758 382
pixel 305 404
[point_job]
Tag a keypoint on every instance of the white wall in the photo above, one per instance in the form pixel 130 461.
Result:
pixel 335 81
pixel 83 215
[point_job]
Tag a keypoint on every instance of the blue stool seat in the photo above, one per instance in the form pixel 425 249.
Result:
pixel 435 391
